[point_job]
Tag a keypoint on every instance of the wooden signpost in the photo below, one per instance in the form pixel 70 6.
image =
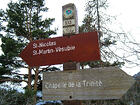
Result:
pixel 70 27
pixel 73 84
pixel 92 84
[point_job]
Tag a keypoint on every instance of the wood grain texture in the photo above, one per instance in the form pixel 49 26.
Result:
pixel 91 84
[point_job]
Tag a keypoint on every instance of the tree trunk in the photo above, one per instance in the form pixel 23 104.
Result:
pixel 35 84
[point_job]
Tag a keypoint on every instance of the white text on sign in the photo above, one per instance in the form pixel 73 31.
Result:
pixel 74 84
pixel 44 48
pixel 68 30
pixel 69 22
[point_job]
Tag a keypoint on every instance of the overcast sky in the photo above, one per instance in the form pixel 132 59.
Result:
pixel 126 11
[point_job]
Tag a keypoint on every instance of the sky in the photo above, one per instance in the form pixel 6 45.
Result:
pixel 126 12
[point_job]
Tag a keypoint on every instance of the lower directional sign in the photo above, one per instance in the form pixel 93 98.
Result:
pixel 92 84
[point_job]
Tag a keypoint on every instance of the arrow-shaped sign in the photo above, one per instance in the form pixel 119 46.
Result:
pixel 77 48
pixel 92 84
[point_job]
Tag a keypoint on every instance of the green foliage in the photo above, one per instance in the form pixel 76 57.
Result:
pixel 24 19
pixel 11 97
pixel 29 95
pixel 8 60
pixel 10 47
pixel 23 22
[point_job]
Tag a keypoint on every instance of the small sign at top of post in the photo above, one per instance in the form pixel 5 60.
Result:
pixel 70 25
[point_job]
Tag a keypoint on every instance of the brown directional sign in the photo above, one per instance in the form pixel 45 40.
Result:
pixel 78 48
pixel 92 84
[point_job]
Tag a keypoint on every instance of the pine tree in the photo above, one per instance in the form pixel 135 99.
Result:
pixel 24 23
pixel 11 97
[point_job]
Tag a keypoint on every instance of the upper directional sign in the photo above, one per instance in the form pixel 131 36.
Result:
pixel 92 84
pixel 78 48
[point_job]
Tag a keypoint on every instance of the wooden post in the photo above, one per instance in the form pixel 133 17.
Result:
pixel 70 27
pixel 29 77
